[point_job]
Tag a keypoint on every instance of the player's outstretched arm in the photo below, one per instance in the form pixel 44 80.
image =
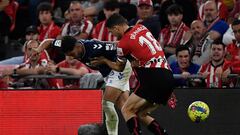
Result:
pixel 118 65
pixel 45 44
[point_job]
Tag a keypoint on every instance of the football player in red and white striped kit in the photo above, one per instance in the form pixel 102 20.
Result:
pixel 155 78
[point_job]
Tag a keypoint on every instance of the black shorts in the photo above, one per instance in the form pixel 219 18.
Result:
pixel 155 84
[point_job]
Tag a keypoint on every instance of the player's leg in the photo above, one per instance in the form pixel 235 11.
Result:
pixel 149 121
pixel 111 95
pixel 117 92
pixel 130 109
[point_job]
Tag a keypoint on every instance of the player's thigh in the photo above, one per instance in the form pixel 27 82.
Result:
pixel 117 83
pixel 122 99
pixel 134 103
pixel 147 108
pixel 112 94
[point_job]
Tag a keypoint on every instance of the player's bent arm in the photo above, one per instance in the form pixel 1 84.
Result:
pixel 45 44
pixel 119 65
pixel 71 71
pixel 27 71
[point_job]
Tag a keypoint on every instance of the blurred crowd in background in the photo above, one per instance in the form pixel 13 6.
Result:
pixel 199 37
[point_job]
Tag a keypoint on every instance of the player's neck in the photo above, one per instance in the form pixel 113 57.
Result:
pixel 125 28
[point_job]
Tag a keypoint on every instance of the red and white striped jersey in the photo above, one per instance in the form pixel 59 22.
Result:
pixel 69 29
pixel 212 80
pixel 139 42
pixel 101 32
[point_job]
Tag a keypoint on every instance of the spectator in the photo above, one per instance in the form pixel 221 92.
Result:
pixel 100 32
pixel 212 71
pixel 146 17
pixel 183 66
pixel 173 35
pixel 35 65
pixel 235 13
pixel 233 51
pixel 198 31
pixel 216 28
pixel 221 8
pixel 47 28
pixel 71 66
pixel 190 10
pixel 30 34
pixel 5 20
pixel 77 27
pixel 8 10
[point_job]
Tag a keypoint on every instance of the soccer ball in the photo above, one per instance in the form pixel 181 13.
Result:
pixel 198 111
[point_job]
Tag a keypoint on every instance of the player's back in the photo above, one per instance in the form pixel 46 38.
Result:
pixel 140 43
pixel 95 48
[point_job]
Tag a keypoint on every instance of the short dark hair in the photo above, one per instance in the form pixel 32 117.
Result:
pixel 182 48
pixel 44 6
pixel 111 5
pixel 68 44
pixel 219 42
pixel 115 19
pixel 174 9
pixel 236 22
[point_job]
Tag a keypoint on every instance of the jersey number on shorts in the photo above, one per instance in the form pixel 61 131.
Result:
pixel 151 43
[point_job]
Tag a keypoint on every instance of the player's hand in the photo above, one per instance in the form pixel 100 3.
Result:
pixel 97 61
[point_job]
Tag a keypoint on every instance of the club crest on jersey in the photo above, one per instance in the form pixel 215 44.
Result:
pixel 97 46
pixel 58 43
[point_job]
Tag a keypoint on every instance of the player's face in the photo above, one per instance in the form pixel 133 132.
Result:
pixel 183 59
pixel 198 29
pixel 144 11
pixel 76 12
pixel 217 52
pixel 236 31
pixel 115 31
pixel 76 52
pixel 175 19
pixel 45 17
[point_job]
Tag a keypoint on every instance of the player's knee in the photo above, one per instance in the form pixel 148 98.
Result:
pixel 127 110
pixel 142 114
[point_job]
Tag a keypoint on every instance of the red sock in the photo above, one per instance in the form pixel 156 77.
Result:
pixel 134 126
pixel 155 128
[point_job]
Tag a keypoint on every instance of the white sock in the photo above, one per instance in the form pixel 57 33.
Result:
pixel 111 117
